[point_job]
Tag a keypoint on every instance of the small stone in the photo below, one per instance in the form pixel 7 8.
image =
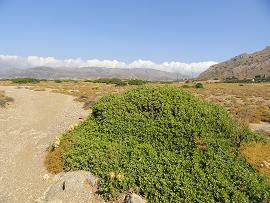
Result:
pixel 46 177
pixel 265 164
pixel 57 141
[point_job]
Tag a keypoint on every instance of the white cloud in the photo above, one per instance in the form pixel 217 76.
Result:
pixel 172 66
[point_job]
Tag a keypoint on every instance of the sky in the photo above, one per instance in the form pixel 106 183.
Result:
pixel 170 35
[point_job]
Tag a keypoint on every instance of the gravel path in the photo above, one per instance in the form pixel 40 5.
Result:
pixel 26 129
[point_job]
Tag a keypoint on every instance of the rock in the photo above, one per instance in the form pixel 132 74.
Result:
pixel 264 164
pixel 72 127
pixel 56 142
pixel 88 104
pixel 134 198
pixel 46 177
pixel 78 186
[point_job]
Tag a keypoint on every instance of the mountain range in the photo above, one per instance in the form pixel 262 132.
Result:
pixel 244 66
pixel 89 73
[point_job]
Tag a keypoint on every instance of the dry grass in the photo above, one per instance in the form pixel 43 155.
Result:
pixel 53 161
pixel 4 100
pixel 258 154
pixel 249 103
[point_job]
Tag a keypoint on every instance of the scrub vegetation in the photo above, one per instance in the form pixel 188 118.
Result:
pixel 118 82
pixel 25 80
pixel 247 103
pixel 166 145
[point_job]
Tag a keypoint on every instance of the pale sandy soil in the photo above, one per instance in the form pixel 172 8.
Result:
pixel 26 129
pixel 262 126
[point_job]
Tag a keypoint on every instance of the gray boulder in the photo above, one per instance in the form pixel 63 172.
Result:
pixel 134 198
pixel 81 187
pixel 77 186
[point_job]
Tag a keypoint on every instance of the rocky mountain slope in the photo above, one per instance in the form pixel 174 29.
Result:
pixel 241 67
pixel 89 72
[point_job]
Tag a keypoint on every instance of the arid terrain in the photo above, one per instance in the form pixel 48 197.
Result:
pixel 39 113
pixel 27 127
pixel 248 103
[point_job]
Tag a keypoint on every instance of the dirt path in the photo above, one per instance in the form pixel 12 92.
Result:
pixel 26 129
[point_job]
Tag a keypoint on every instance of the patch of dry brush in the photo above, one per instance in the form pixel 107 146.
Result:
pixel 4 100
pixel 249 103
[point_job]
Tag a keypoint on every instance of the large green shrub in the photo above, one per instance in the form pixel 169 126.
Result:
pixel 166 145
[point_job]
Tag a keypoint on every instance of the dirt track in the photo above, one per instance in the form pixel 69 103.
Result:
pixel 26 129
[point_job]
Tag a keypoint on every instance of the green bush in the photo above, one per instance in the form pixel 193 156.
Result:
pixel 166 82
pixel 199 85
pixel 120 83
pixel 115 81
pixel 58 81
pixel 25 80
pixel 88 80
pixel 136 82
pixel 166 145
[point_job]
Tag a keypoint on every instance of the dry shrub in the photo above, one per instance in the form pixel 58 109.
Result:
pixel 266 116
pixel 4 100
pixel 53 161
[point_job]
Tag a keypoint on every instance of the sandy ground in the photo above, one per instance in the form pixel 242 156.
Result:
pixel 262 126
pixel 27 127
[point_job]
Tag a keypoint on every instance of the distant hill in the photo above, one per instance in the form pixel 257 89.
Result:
pixel 89 73
pixel 241 67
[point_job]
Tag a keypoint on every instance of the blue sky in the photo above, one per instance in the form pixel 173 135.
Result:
pixel 127 30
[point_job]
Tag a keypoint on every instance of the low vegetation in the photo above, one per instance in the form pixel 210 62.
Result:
pixel 25 80
pixel 248 103
pixel 167 145
pixel 197 85
pixel 136 82
pixel 256 79
pixel 118 81
pixel 4 100
pixel 53 161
